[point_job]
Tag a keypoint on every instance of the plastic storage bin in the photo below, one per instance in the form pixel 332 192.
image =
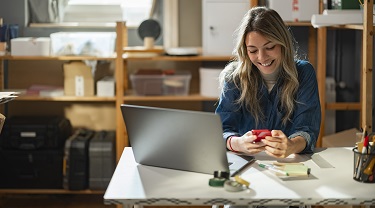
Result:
pixel 30 46
pixel 177 84
pixel 101 44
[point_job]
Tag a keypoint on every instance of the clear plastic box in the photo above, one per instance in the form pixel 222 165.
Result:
pixel 177 84
pixel 100 44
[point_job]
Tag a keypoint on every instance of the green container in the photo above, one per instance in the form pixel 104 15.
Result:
pixel 345 4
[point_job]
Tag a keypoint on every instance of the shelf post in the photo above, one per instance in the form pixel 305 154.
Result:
pixel 121 41
pixel 321 77
pixel 312 40
pixel 367 55
pixel 254 3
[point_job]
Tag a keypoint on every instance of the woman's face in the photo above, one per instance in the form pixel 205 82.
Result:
pixel 263 53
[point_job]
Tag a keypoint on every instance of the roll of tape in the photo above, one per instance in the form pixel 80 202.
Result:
pixel 242 181
pixel 217 182
pixel 232 186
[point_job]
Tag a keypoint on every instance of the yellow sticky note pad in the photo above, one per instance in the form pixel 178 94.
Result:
pixel 296 170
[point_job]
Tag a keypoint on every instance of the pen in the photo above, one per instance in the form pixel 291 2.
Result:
pixel 237 172
pixel 272 168
pixel 364 152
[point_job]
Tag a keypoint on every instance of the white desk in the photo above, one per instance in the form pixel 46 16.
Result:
pixel 134 184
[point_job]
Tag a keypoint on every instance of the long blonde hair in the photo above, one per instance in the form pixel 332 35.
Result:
pixel 248 78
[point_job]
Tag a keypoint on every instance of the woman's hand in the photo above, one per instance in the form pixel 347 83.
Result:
pixel 246 144
pixel 278 145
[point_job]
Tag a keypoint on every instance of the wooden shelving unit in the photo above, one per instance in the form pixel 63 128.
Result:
pixel 365 104
pixel 64 99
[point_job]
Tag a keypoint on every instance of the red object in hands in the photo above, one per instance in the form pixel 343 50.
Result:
pixel 261 134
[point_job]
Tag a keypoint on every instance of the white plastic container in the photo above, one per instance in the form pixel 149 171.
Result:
pixel 105 87
pixel 28 46
pixel 209 82
pixel 100 44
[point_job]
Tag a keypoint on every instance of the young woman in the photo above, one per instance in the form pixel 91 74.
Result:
pixel 267 87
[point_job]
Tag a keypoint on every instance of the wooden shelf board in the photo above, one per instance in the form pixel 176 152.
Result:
pixel 343 106
pixel 352 26
pixel 61 58
pixel 129 97
pixel 192 97
pixel 298 23
pixel 65 98
pixel 182 58
pixel 141 49
pixel 49 191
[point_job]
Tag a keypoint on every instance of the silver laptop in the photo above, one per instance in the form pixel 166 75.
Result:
pixel 179 139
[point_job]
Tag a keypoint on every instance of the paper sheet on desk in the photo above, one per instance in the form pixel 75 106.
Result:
pixel 4 98
pixel 7 96
pixel 293 158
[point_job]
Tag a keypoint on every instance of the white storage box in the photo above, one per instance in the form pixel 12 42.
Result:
pixel 295 10
pixel 27 46
pixel 177 84
pixel 100 44
pixel 105 87
pixel 209 82
pixel 338 17
pixel 217 28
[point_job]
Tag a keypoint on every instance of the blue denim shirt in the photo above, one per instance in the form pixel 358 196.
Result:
pixel 304 122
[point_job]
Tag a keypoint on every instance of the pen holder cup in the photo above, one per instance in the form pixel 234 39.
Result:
pixel 364 166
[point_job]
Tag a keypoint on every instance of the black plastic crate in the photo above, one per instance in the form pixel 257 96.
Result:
pixel 40 169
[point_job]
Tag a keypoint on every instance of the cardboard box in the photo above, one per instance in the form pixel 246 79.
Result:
pixel 295 10
pixel 3 48
pixel 105 87
pixel 78 79
pixel 30 47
